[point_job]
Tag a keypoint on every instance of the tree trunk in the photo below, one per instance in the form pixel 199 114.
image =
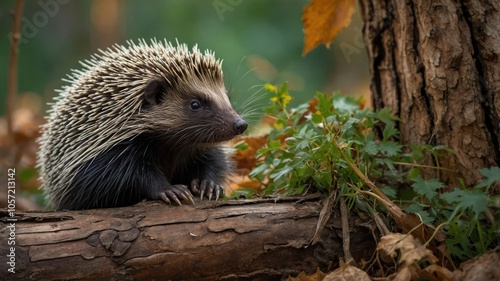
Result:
pixel 231 240
pixel 436 65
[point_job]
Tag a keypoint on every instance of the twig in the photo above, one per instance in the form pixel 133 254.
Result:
pixel 324 215
pixel 425 166
pixel 380 224
pixel 345 230
pixel 436 231
pixel 12 80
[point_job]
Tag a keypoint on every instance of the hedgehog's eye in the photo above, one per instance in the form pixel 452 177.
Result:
pixel 195 105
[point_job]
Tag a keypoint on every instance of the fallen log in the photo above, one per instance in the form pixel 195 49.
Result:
pixel 262 239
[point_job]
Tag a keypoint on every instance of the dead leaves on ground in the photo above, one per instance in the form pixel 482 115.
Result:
pixel 407 260
pixel 410 254
pixel 345 272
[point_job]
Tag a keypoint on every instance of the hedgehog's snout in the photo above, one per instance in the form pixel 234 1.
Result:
pixel 239 126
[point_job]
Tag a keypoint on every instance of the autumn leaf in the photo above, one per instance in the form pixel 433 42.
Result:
pixel 245 158
pixel 323 20
pixel 238 182
pixel 347 272
pixel 317 276
pixel 411 250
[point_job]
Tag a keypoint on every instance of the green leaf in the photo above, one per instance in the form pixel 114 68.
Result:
pixel 316 118
pixel 274 144
pixel 385 116
pixel 417 209
pixel 278 173
pixel 345 104
pixel 390 148
pixel 390 131
pixel 413 173
pixel 304 171
pixel 491 175
pixel 243 193
pixel 370 148
pixel 258 170
pixel 426 188
pixel 27 174
pixel 454 196
pixel 324 104
pixel 390 192
pixel 323 179
pixel 474 200
pixel 386 162
pixel 242 145
pixel 349 124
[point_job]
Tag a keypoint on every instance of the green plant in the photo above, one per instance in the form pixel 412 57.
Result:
pixel 307 146
pixel 470 225
pixel 314 146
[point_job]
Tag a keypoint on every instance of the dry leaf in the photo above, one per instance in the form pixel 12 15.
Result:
pixel 317 276
pixel 237 182
pixel 310 109
pixel 411 249
pixel 245 159
pixel 482 267
pixel 347 272
pixel 323 19
pixel 405 274
pixel 435 272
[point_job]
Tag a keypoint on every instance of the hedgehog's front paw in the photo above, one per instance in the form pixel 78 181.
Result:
pixel 207 188
pixel 175 192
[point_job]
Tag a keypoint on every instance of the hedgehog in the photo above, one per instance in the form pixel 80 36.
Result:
pixel 142 121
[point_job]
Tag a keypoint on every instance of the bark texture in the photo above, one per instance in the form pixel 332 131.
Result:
pixel 436 65
pixel 233 240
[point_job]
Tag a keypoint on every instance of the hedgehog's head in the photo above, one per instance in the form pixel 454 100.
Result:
pixel 187 98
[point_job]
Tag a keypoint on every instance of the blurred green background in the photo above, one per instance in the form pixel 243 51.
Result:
pixel 259 41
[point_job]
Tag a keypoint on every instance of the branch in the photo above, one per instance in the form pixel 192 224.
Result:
pixel 261 239
pixel 12 80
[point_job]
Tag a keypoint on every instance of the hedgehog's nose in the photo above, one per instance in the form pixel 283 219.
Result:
pixel 240 126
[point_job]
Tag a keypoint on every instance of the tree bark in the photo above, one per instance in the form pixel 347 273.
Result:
pixel 231 240
pixel 435 64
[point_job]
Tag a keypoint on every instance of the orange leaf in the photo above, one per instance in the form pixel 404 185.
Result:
pixel 245 159
pixel 323 19
pixel 237 182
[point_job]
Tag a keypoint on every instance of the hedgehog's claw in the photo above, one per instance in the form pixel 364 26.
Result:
pixel 171 194
pixel 203 188
pixel 174 192
pixel 165 198
pixel 195 185
pixel 191 199
pixel 210 189
pixel 217 192
pixel 207 188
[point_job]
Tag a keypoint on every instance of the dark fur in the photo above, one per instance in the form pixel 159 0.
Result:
pixel 139 169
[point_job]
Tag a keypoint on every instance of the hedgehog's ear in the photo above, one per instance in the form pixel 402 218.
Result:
pixel 155 88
